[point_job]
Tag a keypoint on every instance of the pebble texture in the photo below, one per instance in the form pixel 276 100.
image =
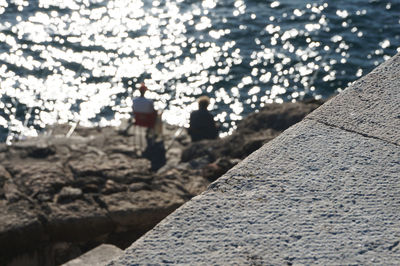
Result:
pixel 326 191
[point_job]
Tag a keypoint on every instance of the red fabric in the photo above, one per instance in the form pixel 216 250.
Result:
pixel 145 119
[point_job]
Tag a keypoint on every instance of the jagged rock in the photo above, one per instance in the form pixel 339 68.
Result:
pixel 88 165
pixel 277 116
pixel 80 220
pixel 65 251
pixel 139 186
pixel 141 210
pixel 68 194
pixel 4 177
pixel 112 187
pixel 96 257
pixel 20 228
pixel 84 180
pixel 11 192
pixel 40 151
pixel 117 167
pixel 214 170
pixel 62 196
pixel 204 148
pixel 40 179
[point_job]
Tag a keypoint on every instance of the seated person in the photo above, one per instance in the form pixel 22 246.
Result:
pixel 202 124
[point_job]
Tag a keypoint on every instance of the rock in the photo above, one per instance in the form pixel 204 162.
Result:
pixel 88 165
pixel 123 149
pixel 139 186
pixel 20 229
pixel 64 251
pixel 77 221
pixel 199 149
pixel 117 167
pixel 98 256
pixel 84 180
pixel 140 210
pixel 214 170
pixel 4 177
pixel 68 194
pixel 62 196
pixel 40 151
pixel 40 179
pixel 11 192
pixel 195 185
pixel 252 132
pixel 277 116
pixel 113 187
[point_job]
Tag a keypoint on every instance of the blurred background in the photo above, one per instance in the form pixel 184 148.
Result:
pixel 69 61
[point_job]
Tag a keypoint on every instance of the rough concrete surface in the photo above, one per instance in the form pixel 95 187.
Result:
pixel 326 191
pixel 370 106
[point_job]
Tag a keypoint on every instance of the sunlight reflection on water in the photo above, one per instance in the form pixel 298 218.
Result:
pixel 79 60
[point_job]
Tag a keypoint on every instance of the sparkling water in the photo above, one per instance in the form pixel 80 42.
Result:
pixel 69 61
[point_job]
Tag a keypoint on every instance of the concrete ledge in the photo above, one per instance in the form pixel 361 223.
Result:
pixel 326 191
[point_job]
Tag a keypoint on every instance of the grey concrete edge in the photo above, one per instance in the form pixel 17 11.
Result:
pixel 351 91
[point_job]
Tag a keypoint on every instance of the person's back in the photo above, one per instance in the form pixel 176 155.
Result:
pixel 142 104
pixel 202 125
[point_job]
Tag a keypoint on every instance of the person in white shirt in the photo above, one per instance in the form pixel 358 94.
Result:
pixel 143 111
pixel 142 104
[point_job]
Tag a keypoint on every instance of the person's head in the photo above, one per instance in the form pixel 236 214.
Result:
pixel 203 102
pixel 142 89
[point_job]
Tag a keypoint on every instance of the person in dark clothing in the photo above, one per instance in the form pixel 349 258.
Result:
pixel 155 153
pixel 202 125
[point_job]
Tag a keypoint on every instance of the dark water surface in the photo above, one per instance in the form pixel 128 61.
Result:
pixel 74 60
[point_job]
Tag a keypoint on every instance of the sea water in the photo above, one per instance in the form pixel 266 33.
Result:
pixel 70 61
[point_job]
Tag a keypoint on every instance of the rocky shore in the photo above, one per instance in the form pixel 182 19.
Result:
pixel 62 196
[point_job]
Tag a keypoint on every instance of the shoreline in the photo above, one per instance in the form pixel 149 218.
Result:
pixel 63 196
